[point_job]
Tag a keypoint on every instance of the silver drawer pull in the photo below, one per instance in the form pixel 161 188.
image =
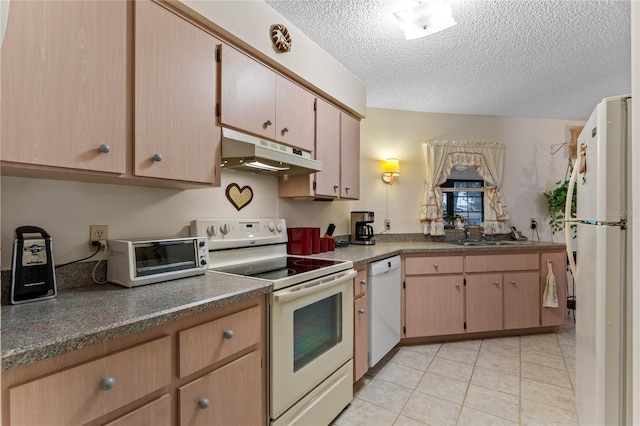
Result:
pixel 457 284
pixel 285 130
pixel 107 383
pixel 363 282
pixel 513 282
pixel 361 310
pixel 203 403
pixel 267 123
pixel 104 148
pixel 157 157
pixel 496 282
pixel 435 266
pixel 228 334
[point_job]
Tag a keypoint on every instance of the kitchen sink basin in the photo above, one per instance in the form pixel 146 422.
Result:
pixel 487 243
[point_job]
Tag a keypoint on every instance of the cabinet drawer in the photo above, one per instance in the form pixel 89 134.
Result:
pixel 215 340
pixel 503 262
pixel 76 395
pixel 433 265
pixel 360 284
pixel 157 413
pixel 230 395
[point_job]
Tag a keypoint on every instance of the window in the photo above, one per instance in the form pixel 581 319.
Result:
pixel 463 198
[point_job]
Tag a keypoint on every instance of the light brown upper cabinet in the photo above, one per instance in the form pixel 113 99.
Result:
pixel 256 99
pixel 64 85
pixel 176 135
pixel 336 132
pixel 349 157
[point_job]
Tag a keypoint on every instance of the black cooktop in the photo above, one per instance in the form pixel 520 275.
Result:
pixel 278 268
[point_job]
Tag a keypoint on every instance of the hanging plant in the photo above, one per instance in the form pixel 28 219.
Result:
pixel 556 201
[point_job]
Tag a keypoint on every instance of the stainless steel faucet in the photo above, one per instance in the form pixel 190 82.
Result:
pixel 467 233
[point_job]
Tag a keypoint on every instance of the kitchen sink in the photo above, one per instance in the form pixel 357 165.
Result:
pixel 483 243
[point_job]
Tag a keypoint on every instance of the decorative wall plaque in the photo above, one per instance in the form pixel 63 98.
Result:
pixel 239 197
pixel 281 37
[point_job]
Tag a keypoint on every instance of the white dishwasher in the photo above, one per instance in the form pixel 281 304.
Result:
pixel 384 307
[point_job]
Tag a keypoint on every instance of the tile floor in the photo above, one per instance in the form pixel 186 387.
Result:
pixel 526 380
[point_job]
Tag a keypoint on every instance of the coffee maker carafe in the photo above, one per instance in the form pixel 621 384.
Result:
pixel 361 230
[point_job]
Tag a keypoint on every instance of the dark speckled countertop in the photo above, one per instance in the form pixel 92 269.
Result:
pixel 80 317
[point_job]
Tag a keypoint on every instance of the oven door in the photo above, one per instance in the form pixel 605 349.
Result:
pixel 311 329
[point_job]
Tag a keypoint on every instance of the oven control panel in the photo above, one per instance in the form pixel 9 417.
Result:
pixel 236 233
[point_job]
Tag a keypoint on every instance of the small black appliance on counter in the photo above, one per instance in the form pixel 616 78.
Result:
pixel 32 274
pixel 361 231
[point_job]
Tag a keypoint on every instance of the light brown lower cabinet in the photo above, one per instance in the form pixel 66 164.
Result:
pixel 360 326
pixel 472 293
pixel 434 305
pixel 520 290
pixel 150 377
pixel 484 302
pixel 230 395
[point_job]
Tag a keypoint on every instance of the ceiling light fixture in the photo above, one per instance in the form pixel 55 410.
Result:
pixel 428 17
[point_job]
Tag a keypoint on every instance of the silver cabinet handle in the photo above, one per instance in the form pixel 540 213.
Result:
pixel 496 282
pixel 157 157
pixel 457 284
pixel 347 188
pixel 363 282
pixel 228 334
pixel 513 282
pixel 435 266
pixel 361 310
pixel 104 148
pixel 203 403
pixel 335 187
pixel 267 123
pixel 285 130
pixel 107 383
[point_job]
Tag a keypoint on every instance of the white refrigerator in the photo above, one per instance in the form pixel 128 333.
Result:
pixel 602 272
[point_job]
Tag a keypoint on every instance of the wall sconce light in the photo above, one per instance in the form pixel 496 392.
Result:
pixel 390 168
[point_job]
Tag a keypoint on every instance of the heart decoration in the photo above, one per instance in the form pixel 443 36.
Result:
pixel 239 197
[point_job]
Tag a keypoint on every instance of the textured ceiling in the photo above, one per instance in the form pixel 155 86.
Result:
pixel 549 59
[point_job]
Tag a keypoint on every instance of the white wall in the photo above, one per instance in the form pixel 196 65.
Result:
pixel 530 169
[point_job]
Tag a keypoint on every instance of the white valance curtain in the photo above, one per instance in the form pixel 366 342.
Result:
pixel 440 158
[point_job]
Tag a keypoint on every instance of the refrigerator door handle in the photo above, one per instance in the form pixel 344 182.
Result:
pixel 568 219
pixel 622 223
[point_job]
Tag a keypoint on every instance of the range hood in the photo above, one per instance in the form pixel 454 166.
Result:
pixel 253 154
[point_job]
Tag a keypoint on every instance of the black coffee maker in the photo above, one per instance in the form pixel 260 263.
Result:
pixel 32 275
pixel 361 230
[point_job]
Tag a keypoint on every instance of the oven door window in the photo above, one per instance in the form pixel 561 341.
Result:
pixel 317 329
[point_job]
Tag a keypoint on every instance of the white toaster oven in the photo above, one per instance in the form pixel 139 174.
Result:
pixel 146 261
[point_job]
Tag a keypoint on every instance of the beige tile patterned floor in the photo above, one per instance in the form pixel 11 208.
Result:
pixel 526 380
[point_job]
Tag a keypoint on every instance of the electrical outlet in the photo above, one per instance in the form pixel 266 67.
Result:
pixel 387 224
pixel 97 233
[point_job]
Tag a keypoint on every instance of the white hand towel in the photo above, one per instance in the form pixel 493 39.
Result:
pixel 550 295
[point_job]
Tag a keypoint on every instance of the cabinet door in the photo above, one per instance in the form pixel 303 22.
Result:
pixel 521 300
pixel 327 149
pixel 484 302
pixel 82 393
pixel 554 316
pixel 349 157
pixel 176 136
pixel 248 98
pixel 64 85
pixel 360 337
pixel 434 306
pixel 157 413
pixel 295 117
pixel 230 395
